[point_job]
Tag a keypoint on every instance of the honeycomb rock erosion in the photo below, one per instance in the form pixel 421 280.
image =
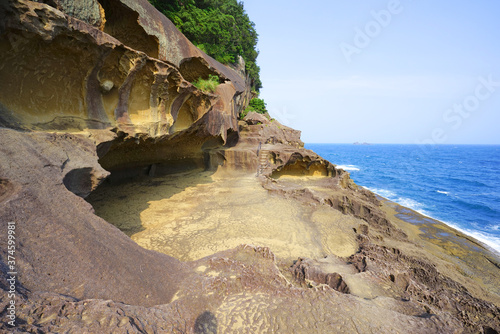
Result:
pixel 89 81
pixel 113 64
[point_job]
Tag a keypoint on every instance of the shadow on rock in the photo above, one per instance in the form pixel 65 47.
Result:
pixel 122 203
pixel 206 323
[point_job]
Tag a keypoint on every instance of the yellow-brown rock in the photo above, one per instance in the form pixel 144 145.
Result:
pixel 128 69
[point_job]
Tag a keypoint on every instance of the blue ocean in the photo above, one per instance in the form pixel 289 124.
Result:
pixel 458 185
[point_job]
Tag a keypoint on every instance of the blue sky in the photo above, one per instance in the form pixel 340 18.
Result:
pixel 382 71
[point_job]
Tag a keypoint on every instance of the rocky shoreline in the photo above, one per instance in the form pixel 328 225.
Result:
pixel 200 222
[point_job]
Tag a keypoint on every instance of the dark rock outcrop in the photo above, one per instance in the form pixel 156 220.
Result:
pixel 419 281
pixel 303 271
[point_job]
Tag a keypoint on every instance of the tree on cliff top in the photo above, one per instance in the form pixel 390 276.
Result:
pixel 221 28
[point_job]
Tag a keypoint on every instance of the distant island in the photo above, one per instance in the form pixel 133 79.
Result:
pixel 363 143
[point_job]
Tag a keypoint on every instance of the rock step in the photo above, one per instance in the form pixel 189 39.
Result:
pixel 263 160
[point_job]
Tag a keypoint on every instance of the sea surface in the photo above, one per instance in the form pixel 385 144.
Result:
pixel 456 184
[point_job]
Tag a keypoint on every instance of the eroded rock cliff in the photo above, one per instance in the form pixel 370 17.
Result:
pixel 255 235
pixel 90 65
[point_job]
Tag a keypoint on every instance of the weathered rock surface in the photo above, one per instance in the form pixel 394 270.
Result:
pixel 93 87
pixel 306 272
pixel 269 148
pixel 62 247
pixel 128 69
pixel 240 290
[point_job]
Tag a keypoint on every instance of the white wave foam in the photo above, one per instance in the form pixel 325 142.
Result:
pixel 383 192
pixel 412 204
pixel 443 192
pixel 487 239
pixel 349 168
pixel 407 202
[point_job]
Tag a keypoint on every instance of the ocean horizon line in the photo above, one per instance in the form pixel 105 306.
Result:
pixel 405 144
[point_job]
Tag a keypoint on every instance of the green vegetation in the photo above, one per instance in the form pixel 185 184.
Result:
pixel 207 85
pixel 221 28
pixel 256 105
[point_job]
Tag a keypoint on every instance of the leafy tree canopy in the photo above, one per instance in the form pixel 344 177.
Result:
pixel 256 105
pixel 221 28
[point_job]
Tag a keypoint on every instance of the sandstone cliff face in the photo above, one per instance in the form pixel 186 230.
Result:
pixel 96 65
pixel 95 90
pixel 270 149
pixel 114 76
